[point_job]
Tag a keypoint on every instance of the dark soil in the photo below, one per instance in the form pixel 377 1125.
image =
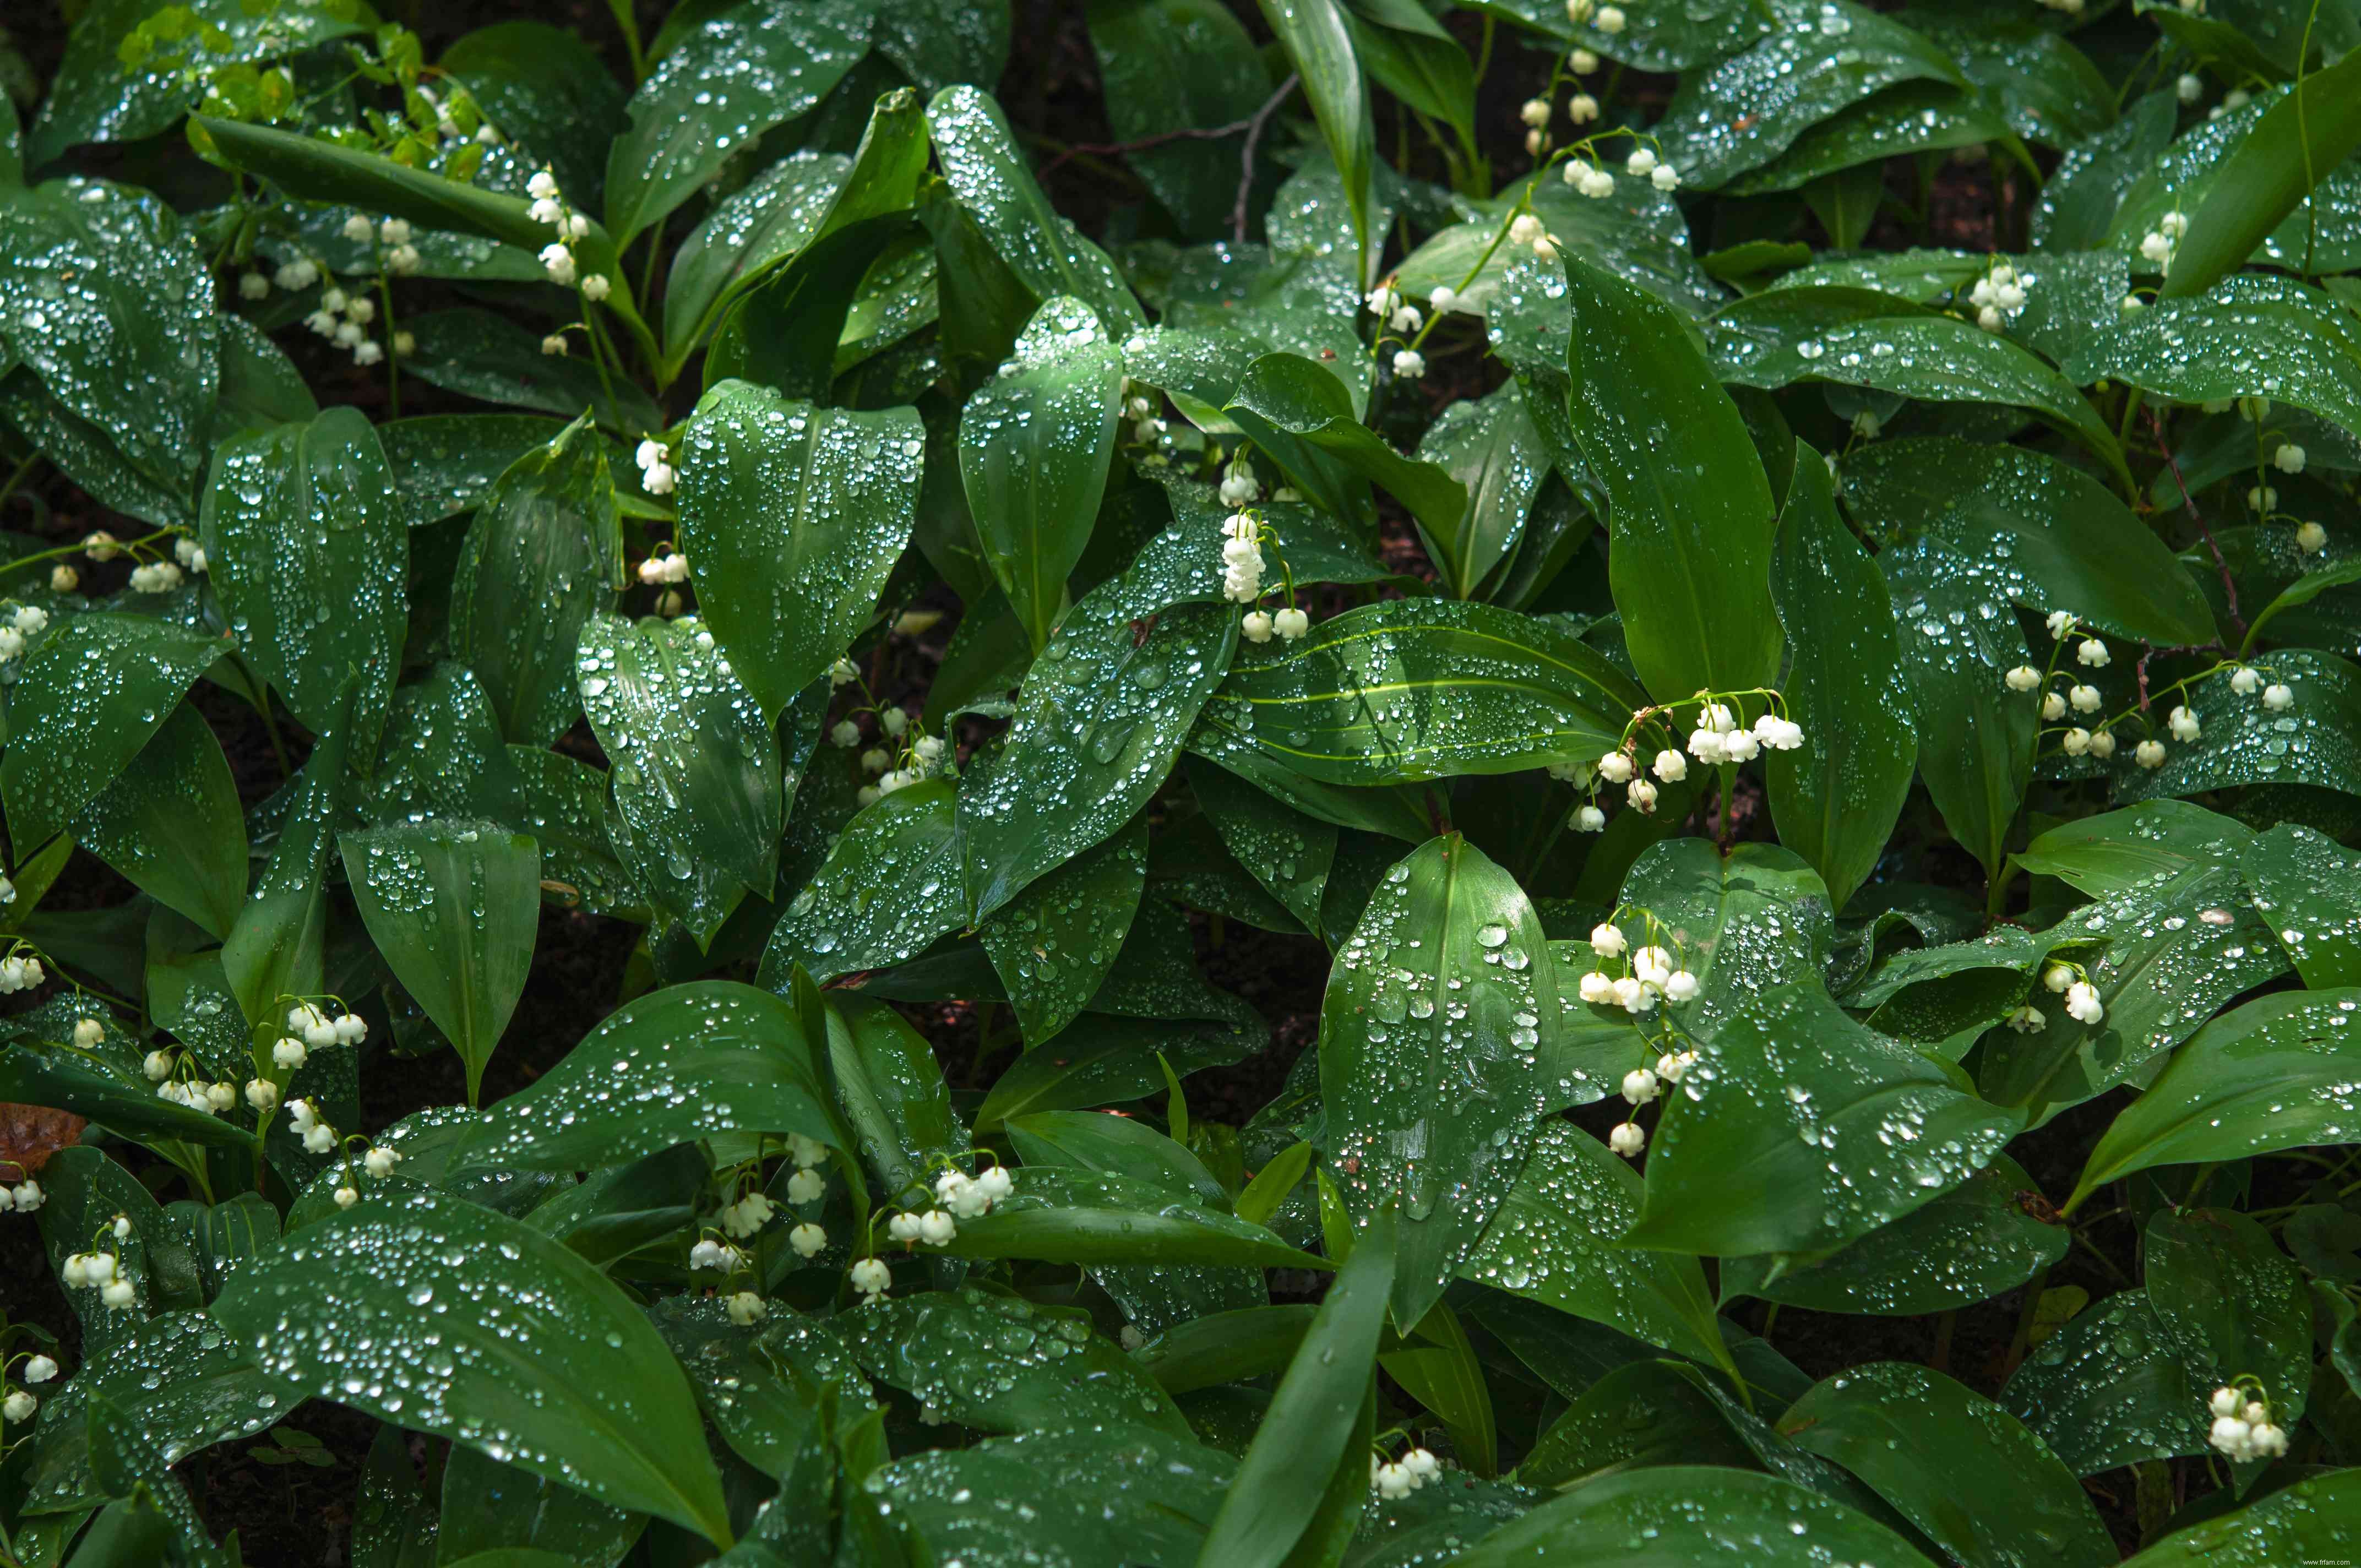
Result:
pixel 296 1514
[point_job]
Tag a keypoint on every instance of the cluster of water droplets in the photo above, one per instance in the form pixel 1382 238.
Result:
pixel 889 887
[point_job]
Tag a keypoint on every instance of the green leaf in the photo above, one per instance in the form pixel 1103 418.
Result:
pixel 1956 1466
pixel 2078 203
pixel 1119 1493
pixel 891 1092
pixel 1787 1134
pixel 276 947
pixel 1098 1219
pixel 1034 451
pixel 1490 448
pixel 979 157
pixel 297 520
pixel 764 1388
pixel 1116 1146
pixel 1309 1427
pixel 108 302
pixel 1411 689
pixel 2232 1303
pixel 760 224
pixel 1989 1234
pixel 2250 334
pixel 2109 1389
pixel 1555 1241
pixel 51 1076
pixel 1001 1364
pixel 2317 742
pixel 1747 110
pixel 2305 889
pixel 2273 1074
pixel 1957 641
pixel 387 1309
pixel 1285 849
pixel 2298 141
pixel 2310 1519
pixel 1742 922
pixel 1689 510
pixel 170 823
pixel 1288 405
pixel 708 1058
pixel 2123 851
pixel 792 517
pixel 1653 38
pixel 1053 944
pixel 937 42
pixel 1099 720
pixel 549 91
pixel 1675 1516
pixel 889 887
pixel 543 554
pixel 455 908
pixel 1317 37
pixel 1173 65
pixel 500 359
pixel 699 784
pixel 2049 535
pixel 87 701
pixel 1429 1042
pixel 491 1506
pixel 445 463
pixel 743 71
pixel 1910 118
pixel 1102 1061
pixel 1836 797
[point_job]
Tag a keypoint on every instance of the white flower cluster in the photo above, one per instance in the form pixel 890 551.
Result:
pixel 155 577
pixel 716 1255
pixel 209 1099
pixel 1607 19
pixel 2158 244
pixel 1997 296
pixel 549 206
pixel 20 1405
pixel 1401 1477
pixel 1649 977
pixel 1242 562
pixel 344 318
pixel 26 621
pixel 922 759
pixel 1239 487
pixel 99 1271
pixel 19 973
pixel 871 1278
pixel 2082 1003
pixel 667 568
pixel 23 1197
pixel 304 1118
pixel 1386 303
pixel 2243 1428
pixel 657 475
pixel 318 1030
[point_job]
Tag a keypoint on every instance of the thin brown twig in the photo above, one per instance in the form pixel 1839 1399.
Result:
pixel 1113 149
pixel 1246 157
pixel 2229 586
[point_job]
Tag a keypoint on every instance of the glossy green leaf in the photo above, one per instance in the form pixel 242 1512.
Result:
pixel 1691 514
pixel 2276 1073
pixel 86 702
pixel 1836 797
pixel 1103 1494
pixel 698 782
pixel 1117 1146
pixel 1034 452
pixel 1799 1129
pixel 108 302
pixel 298 519
pixel 454 907
pixel 1317 38
pixel 1910 118
pixel 2297 143
pixel 2232 1303
pixel 1989 1234
pixel 2050 535
pixel 707 1058
pixel 548 89
pixel 979 157
pixel 449 1319
pixel 760 224
pixel 170 823
pixel 2137 847
pixel 1103 1060
pixel 1413 689
pixel 542 554
pixel 445 463
pixel 1096 1219
pixel 1289 405
pixel 1675 1516
pixel 1956 1466
pixel 2108 1389
pixel 743 71
pixel 1429 1059
pixel 1554 1241
pixel 2310 1519
pixel 276 947
pixel 1001 1364
pixel 1053 944
pixel 489 1507
pixel 890 886
pixel 2077 205
pixel 792 516
pixel 487 355
pixel 1742 922
pixel 2250 334
pixel 891 1092
pixel 1819 58
pixel 2316 741
pixel 1169 65
pixel 1492 450
pixel 1100 720
pixel 2305 888
pixel 1307 1430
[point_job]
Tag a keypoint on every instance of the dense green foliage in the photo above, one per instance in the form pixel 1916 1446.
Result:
pixel 1803 748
